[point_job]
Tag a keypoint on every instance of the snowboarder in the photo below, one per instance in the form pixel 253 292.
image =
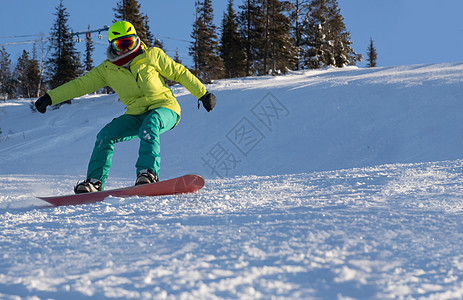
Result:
pixel 135 73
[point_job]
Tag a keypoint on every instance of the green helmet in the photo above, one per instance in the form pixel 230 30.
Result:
pixel 120 29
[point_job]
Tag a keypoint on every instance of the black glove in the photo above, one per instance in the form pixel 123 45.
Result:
pixel 42 103
pixel 209 101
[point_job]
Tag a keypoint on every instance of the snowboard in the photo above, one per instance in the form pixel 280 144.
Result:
pixel 179 185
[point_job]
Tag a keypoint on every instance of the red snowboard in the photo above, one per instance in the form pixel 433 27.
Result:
pixel 179 185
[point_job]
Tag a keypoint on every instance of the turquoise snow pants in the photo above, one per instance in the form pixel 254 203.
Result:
pixel 147 127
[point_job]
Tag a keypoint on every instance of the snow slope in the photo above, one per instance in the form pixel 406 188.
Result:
pixel 331 184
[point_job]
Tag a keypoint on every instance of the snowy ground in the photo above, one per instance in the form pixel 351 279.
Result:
pixel 332 184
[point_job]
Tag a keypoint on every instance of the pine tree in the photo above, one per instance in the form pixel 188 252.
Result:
pixel 34 78
pixel 326 37
pixel 372 55
pixel 314 41
pixel 205 48
pixel 27 74
pixel 279 51
pixel 297 12
pixel 158 43
pixel 129 10
pixel 41 89
pixel 252 29
pixel 177 57
pixel 152 41
pixel 231 46
pixel 7 84
pixel 89 48
pixel 64 64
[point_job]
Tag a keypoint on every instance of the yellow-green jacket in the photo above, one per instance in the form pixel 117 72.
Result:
pixel 141 88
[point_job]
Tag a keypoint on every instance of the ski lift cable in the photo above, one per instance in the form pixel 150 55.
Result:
pixel 27 42
pixel 174 39
pixel 105 28
pixel 22 36
pixel 78 33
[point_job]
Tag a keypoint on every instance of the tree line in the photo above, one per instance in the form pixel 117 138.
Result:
pixel 260 37
pixel 271 37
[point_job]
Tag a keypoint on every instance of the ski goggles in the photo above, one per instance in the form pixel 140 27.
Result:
pixel 125 43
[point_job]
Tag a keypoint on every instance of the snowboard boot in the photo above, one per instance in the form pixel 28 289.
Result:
pixel 146 176
pixel 88 186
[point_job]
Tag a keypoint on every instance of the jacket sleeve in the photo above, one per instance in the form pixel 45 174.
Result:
pixel 86 84
pixel 172 70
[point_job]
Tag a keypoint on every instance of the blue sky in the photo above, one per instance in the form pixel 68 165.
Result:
pixel 404 31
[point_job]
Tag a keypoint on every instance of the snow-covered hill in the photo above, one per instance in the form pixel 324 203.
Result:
pixel 331 184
